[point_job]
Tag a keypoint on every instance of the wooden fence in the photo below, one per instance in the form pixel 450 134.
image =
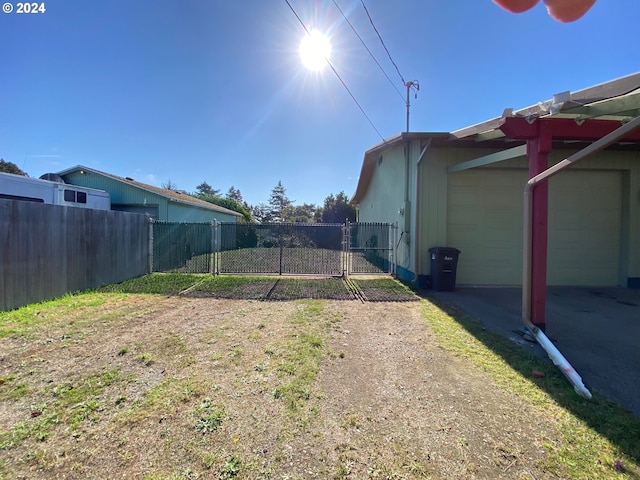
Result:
pixel 48 250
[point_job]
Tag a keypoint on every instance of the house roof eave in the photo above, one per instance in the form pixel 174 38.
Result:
pixel 187 200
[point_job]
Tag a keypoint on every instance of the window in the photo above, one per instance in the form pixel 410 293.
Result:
pixel 74 196
pixel 69 196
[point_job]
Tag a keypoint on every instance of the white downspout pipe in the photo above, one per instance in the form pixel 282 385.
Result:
pixel 416 208
pixel 555 355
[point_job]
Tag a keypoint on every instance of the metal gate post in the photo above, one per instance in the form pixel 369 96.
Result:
pixel 345 249
pixel 217 240
pixel 150 245
pixel 280 240
pixel 212 246
pixel 394 249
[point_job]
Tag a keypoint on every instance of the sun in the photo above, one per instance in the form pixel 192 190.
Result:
pixel 315 50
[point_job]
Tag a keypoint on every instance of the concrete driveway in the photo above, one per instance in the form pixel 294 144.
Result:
pixel 596 329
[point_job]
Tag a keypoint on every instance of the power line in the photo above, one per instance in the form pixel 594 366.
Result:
pixel 367 49
pixel 415 85
pixel 338 75
pixel 382 41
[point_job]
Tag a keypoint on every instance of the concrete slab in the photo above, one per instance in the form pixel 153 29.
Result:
pixel 596 329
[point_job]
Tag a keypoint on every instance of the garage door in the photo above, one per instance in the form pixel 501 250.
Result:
pixel 484 220
pixel 585 228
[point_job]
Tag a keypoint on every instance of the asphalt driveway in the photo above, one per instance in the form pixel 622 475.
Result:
pixel 596 329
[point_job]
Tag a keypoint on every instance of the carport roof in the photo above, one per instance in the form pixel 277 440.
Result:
pixel 617 100
pixel 605 105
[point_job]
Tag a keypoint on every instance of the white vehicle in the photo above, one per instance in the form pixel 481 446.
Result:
pixel 17 187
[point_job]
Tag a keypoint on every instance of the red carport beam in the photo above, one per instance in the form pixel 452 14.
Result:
pixel 539 136
pixel 538 152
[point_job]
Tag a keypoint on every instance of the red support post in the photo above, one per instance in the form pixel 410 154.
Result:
pixel 538 149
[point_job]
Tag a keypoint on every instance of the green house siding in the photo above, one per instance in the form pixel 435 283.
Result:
pixel 594 214
pixel 178 212
pixel 594 218
pixel 126 196
pixel 121 193
pixel 386 202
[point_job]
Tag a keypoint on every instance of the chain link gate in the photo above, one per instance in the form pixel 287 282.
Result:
pixel 280 249
pixel 273 249
pixel 370 248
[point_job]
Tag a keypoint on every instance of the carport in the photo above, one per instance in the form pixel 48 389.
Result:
pixel 591 120
pixel 596 328
pixel 595 118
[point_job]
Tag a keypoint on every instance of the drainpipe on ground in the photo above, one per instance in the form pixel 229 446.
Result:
pixel 555 355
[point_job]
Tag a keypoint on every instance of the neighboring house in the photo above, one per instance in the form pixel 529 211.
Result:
pixel 53 191
pixel 465 190
pixel 129 195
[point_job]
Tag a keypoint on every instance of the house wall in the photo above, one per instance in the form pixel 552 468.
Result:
pixel 178 212
pixel 121 193
pixel 130 197
pixel 389 199
pixel 435 209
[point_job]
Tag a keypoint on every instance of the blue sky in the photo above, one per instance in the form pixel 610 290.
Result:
pixel 214 90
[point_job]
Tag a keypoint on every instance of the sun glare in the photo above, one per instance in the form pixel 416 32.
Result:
pixel 315 50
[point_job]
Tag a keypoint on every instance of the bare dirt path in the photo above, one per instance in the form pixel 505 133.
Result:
pixel 386 401
pixel 398 405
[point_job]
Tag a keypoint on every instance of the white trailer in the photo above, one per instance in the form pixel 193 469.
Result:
pixel 17 187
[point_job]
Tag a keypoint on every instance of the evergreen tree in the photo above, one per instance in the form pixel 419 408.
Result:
pixel 278 202
pixel 261 213
pixel 234 194
pixel 337 209
pixel 205 189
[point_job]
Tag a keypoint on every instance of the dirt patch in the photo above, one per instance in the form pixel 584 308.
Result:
pixel 177 387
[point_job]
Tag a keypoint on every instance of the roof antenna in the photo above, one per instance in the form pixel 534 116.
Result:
pixel 416 86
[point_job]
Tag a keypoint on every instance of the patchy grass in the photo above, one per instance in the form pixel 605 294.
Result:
pixel 154 385
pixel 599 439
pixel 23 321
pixel 156 283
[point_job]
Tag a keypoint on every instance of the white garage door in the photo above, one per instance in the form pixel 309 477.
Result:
pixel 484 221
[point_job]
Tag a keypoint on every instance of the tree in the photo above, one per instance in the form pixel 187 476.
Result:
pixel 337 209
pixel 261 213
pixel 300 213
pixel 10 167
pixel 278 202
pixel 205 189
pixel 234 194
pixel 226 203
pixel 169 185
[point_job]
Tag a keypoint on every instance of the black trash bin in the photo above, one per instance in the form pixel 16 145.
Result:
pixel 444 262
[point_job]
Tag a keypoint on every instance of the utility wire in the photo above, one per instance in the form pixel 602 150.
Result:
pixel 338 75
pixel 382 41
pixel 369 51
